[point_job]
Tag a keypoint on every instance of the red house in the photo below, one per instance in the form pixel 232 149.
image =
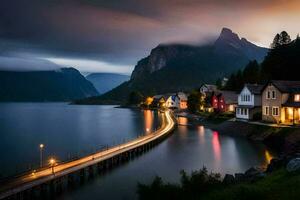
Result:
pixel 223 101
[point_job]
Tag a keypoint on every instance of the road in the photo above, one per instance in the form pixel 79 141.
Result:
pixel 33 179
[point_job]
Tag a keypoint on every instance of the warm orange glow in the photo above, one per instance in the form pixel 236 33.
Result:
pixel 182 121
pixel 268 156
pixel 148 120
pixel 149 101
pixel 290 113
pixel 231 108
pixel 52 161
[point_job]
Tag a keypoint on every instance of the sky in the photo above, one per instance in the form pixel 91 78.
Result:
pixel 112 35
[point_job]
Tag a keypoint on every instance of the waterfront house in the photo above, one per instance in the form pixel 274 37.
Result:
pixel 182 97
pixel 172 100
pixel 158 101
pixel 229 101
pixel 222 101
pixel 249 102
pixel 281 102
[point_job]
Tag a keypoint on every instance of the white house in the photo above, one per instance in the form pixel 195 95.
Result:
pixel 172 101
pixel 176 100
pixel 249 101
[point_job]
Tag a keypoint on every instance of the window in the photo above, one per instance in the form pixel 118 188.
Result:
pixel 273 94
pixel 246 111
pixel 238 111
pixel 242 111
pixel 266 110
pixel 297 97
pixel 275 111
pixel 268 94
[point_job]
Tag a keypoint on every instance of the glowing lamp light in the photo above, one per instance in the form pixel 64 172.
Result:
pixel 41 146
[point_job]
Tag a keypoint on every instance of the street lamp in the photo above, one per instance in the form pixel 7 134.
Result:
pixel 52 163
pixel 41 154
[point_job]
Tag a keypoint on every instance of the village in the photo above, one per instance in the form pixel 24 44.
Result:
pixel 276 102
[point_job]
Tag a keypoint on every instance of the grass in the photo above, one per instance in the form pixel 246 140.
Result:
pixel 279 185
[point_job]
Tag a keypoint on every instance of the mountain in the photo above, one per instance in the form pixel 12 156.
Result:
pixel 64 84
pixel 181 67
pixel 104 82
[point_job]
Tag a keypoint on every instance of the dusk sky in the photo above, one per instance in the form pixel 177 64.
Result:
pixel 112 35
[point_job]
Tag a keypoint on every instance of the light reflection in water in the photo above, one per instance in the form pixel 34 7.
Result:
pixel 201 134
pixel 182 121
pixel 216 148
pixel 148 121
pixel 183 129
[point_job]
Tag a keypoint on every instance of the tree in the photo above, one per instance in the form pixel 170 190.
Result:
pixel 135 98
pixel 275 42
pixel 284 38
pixel 219 83
pixel 281 39
pixel 194 101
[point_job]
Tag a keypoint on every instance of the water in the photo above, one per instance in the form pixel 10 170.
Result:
pixel 66 131
pixel 70 128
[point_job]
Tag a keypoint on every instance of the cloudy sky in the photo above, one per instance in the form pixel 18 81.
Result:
pixel 112 35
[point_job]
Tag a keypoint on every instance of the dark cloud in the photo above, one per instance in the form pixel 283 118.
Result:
pixel 121 32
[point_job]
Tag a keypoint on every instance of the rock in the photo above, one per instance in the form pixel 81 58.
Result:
pixel 293 165
pixel 229 179
pixel 253 174
pixel 239 177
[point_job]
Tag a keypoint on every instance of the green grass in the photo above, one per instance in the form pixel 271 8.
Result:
pixel 280 185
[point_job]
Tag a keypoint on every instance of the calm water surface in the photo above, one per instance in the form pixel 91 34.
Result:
pixel 64 128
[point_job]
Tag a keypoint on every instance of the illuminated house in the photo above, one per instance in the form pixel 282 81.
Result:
pixel 158 101
pixel 172 100
pixel 223 101
pixel 182 100
pixel 249 102
pixel 281 102
pixel 229 101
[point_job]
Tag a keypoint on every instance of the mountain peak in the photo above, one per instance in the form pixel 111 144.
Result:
pixel 228 35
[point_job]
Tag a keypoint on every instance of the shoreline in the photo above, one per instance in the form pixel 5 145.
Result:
pixel 283 140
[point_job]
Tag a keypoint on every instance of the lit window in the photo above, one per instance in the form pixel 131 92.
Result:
pixel 297 97
pixel 275 111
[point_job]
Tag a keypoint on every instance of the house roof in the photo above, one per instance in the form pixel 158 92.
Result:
pixel 286 86
pixel 255 88
pixel 291 102
pixel 182 96
pixel 210 88
pixel 230 97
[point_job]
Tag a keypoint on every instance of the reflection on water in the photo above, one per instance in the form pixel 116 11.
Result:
pixel 216 148
pixel 182 121
pixel 189 148
pixel 148 120
pixel 67 131
pixel 201 133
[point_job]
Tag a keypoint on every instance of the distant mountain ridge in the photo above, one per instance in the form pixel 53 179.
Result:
pixel 181 67
pixel 65 84
pixel 105 82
